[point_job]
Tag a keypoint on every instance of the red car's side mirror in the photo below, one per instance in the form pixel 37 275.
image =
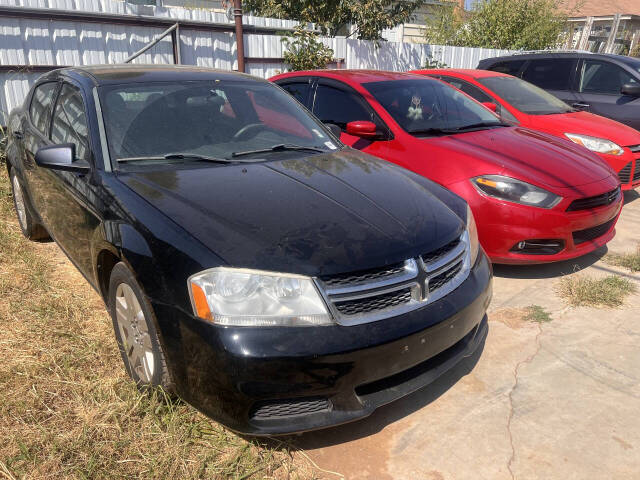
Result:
pixel 363 129
pixel 491 106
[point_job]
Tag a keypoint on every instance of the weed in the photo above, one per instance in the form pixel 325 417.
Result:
pixel 630 261
pixel 582 290
pixel 536 313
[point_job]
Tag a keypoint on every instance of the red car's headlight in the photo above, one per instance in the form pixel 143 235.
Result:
pixel 517 191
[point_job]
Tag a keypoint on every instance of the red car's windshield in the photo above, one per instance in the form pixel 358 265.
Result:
pixel 525 96
pixel 422 106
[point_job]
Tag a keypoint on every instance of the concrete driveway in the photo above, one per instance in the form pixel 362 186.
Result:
pixel 559 399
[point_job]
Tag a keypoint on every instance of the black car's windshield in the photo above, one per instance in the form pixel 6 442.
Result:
pixel 632 62
pixel 424 106
pixel 171 122
pixel 525 96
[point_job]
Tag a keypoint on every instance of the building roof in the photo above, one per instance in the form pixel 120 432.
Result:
pixel 598 8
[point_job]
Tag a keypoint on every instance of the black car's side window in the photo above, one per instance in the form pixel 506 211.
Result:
pixel 40 108
pixel 340 107
pixel 69 123
pixel 299 91
pixel 510 67
pixel 603 77
pixel 471 90
pixel 550 73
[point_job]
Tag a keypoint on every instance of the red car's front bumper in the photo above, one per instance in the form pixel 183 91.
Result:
pixel 503 225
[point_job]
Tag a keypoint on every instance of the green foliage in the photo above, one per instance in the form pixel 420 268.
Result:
pixel 305 51
pixel 536 313
pixel 370 17
pixel 431 62
pixel 509 24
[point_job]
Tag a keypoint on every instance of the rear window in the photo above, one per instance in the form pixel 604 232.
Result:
pixel 550 73
pixel 511 67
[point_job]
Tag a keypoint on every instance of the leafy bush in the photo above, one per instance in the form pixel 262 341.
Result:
pixel 508 24
pixel 305 51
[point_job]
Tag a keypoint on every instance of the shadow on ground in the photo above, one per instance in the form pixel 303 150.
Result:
pixel 386 414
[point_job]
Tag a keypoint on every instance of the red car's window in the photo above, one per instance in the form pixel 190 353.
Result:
pixel 524 96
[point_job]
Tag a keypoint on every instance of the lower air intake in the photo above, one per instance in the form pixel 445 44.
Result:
pixel 289 408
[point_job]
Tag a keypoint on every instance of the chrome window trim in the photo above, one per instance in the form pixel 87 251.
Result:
pixel 106 158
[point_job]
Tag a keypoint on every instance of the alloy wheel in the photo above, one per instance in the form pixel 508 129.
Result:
pixel 134 333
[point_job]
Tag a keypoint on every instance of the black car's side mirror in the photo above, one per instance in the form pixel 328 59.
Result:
pixel 60 157
pixel 631 89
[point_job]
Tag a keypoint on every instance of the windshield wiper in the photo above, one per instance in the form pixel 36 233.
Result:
pixel 179 156
pixel 478 125
pixel 282 147
pixel 425 131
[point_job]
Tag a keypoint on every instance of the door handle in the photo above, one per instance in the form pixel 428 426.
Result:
pixel 580 105
pixel 18 134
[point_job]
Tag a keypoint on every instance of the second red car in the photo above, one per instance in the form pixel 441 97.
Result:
pixel 536 198
pixel 529 106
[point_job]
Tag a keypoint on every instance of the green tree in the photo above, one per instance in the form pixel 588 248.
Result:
pixel 305 51
pixel 370 17
pixel 510 24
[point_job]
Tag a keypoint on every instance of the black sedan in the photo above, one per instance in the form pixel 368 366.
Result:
pixel 272 277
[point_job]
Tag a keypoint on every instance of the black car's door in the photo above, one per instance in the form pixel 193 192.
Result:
pixel 68 212
pixel 555 75
pixel 35 132
pixel 599 87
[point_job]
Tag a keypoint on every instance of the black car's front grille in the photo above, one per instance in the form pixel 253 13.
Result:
pixel 374 294
pixel 374 303
pixel 625 174
pixel 363 276
pixel 588 234
pixel 289 408
pixel 596 201
pixel 445 277
pixel 440 252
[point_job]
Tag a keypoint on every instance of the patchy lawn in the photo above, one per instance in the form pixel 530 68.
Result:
pixel 67 408
pixel 581 290
pixel 630 261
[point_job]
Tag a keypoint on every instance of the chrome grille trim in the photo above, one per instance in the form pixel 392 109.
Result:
pixel 415 277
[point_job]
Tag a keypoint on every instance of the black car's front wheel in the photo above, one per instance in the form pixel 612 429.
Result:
pixel 30 229
pixel 135 330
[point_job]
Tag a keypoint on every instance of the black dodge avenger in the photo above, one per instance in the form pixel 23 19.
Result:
pixel 252 264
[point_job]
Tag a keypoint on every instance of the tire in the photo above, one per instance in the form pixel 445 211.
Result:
pixel 134 324
pixel 29 227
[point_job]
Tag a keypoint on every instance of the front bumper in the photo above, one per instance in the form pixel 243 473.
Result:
pixel 502 225
pixel 626 166
pixel 266 381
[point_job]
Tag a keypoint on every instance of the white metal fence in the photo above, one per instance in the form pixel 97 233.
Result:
pixel 51 42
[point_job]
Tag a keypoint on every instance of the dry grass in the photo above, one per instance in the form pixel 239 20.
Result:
pixel 630 261
pixel 67 410
pixel 581 290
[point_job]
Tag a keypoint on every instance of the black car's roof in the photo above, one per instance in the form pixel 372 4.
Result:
pixel 126 73
pixel 557 54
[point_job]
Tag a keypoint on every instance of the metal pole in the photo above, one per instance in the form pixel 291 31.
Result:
pixel 149 45
pixel 175 41
pixel 237 15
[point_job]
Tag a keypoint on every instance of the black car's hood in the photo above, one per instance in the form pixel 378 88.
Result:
pixel 315 215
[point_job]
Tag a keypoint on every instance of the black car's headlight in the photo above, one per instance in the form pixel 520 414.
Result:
pixel 241 297
pixel 512 190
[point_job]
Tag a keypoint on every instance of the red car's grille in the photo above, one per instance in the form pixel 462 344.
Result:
pixel 588 234
pixel 594 202
pixel 636 171
pixel 625 174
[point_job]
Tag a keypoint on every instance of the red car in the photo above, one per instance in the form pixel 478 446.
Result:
pixel 536 198
pixel 529 106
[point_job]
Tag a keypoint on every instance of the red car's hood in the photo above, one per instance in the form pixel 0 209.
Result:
pixel 521 153
pixel 587 124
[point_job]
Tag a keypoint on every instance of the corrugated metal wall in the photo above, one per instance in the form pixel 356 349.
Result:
pixel 55 42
